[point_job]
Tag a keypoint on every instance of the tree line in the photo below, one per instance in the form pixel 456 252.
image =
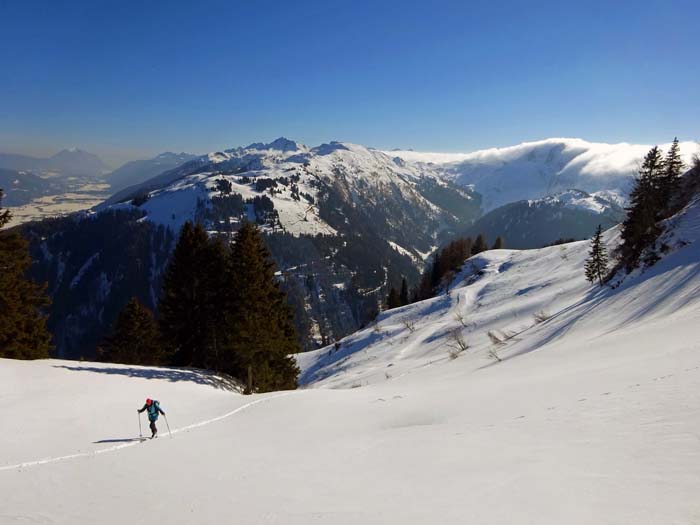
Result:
pixel 660 190
pixel 438 274
pixel 23 303
pixel 221 308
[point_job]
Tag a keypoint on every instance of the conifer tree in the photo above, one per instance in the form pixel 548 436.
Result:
pixel 436 271
pixel 260 334
pixel 403 296
pixel 498 245
pixel 23 332
pixel 190 310
pixel 669 179
pixel 639 231
pixel 597 262
pixel 480 244
pixel 135 339
pixel 5 215
pixel 393 300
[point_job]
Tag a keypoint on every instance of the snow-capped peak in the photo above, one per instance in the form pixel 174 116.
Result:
pixel 577 199
pixel 280 144
pixel 533 170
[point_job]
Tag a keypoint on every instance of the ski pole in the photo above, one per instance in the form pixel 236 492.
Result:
pixel 140 434
pixel 168 425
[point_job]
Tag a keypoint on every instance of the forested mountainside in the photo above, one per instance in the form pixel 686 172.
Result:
pixel 344 223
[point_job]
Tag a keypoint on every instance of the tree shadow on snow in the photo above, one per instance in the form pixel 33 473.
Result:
pixel 201 377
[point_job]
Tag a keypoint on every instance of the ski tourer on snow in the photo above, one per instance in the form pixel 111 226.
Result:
pixel 153 408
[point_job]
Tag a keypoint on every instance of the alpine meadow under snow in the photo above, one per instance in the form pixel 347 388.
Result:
pixel 520 394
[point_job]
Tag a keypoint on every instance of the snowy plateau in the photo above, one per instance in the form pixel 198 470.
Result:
pixel 533 170
pixel 521 395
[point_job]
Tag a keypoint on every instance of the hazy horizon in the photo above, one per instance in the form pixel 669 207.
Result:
pixel 449 77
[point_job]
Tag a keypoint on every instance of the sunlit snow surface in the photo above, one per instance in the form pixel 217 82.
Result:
pixel 535 169
pixel 591 417
pixel 351 167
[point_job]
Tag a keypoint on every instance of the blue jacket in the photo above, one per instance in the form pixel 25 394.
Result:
pixel 153 411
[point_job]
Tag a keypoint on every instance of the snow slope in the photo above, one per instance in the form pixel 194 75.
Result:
pixel 532 170
pixel 591 417
pixel 356 172
pixel 138 171
pixel 534 223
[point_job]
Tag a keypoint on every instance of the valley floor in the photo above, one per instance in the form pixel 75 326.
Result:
pixel 80 198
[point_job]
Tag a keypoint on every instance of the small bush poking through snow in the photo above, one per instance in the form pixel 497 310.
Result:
pixel 541 316
pixel 495 338
pixel 457 344
pixel 493 354
pixel 460 317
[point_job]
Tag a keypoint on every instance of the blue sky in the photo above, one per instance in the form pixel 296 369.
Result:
pixel 130 79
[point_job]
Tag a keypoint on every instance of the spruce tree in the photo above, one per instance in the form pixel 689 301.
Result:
pixel 403 296
pixel 393 300
pixel 190 310
pixel 597 262
pixel 23 332
pixel 260 335
pixel 135 339
pixel 218 293
pixel 5 215
pixel 639 231
pixel 480 244
pixel 669 180
pixel 499 244
pixel 436 271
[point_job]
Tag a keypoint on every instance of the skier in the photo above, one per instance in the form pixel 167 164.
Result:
pixel 154 409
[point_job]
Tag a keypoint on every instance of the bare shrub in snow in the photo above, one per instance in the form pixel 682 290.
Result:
pixel 410 325
pixel 496 338
pixel 460 317
pixel 457 344
pixel 493 354
pixel 541 316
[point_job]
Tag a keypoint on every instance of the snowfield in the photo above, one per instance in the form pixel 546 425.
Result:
pixel 533 170
pixel 592 416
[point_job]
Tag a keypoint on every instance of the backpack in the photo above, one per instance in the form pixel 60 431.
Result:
pixel 153 410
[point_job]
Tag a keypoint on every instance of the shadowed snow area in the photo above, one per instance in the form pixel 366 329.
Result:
pixel 590 417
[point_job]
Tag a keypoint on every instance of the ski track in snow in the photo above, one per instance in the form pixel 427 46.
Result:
pixel 114 448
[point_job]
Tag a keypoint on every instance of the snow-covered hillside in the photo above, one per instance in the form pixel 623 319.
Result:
pixel 138 171
pixel 590 417
pixel 295 178
pixel 531 300
pixel 536 169
pixel 534 223
pixel 343 223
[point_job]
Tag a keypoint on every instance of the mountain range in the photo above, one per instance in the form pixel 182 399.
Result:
pixel 344 223
pixel 533 170
pixel 569 215
pixel 138 171
pixel 67 162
